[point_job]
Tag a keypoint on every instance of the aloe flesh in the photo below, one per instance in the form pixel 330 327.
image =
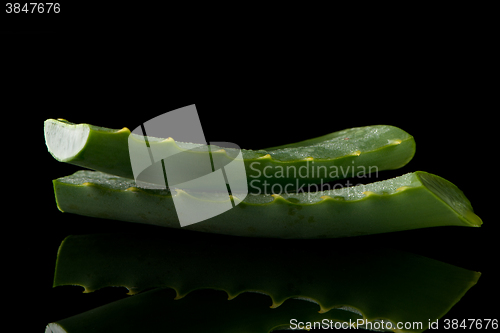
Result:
pixel 356 151
pixel 415 200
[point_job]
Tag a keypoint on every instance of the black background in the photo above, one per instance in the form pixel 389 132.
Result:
pixel 257 88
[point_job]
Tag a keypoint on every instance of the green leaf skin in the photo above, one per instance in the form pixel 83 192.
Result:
pixel 415 200
pixel 375 283
pixel 155 311
pixel 343 154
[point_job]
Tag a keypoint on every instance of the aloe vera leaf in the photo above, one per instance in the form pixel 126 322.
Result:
pixel 411 201
pixel 156 311
pixel 343 154
pixel 377 284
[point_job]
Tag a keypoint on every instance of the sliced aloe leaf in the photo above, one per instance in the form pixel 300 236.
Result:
pixel 348 153
pixel 415 200
pixel 376 284
pixel 208 311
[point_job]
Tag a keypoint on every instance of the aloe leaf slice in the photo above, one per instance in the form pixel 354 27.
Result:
pixel 411 201
pixel 348 153
pixel 375 284
pixel 209 311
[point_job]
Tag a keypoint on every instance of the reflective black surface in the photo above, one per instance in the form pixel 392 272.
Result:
pixel 256 97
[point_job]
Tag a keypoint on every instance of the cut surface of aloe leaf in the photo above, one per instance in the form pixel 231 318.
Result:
pixel 376 284
pixel 202 311
pixel 414 200
pixel 348 153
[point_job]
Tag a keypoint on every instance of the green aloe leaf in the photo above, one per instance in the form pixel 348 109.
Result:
pixel 343 154
pixel 414 200
pixel 375 284
pixel 156 311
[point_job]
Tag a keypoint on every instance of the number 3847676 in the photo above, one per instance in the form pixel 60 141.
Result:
pixel 471 324
pixel 32 7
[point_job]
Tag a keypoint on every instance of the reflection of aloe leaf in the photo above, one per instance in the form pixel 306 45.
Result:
pixel 414 200
pixel 342 154
pixel 377 283
pixel 201 311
